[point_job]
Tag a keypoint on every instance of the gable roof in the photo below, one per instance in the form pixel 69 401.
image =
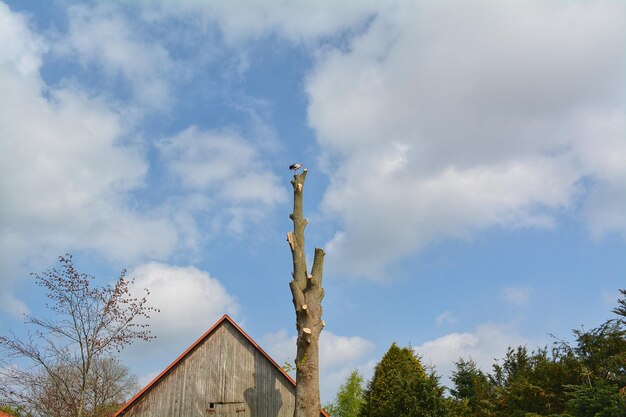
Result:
pixel 225 318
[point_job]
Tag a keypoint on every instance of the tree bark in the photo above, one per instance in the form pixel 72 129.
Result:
pixel 307 293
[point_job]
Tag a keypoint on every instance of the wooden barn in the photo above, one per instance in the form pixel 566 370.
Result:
pixel 223 374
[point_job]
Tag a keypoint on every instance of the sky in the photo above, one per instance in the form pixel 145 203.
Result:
pixel 467 168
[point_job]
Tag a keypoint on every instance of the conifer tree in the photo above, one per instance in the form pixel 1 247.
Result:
pixel 473 388
pixel 401 388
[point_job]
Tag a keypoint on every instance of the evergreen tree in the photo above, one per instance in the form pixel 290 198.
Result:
pixel 582 379
pixel 472 388
pixel 532 383
pixel 601 369
pixel 349 397
pixel 599 400
pixel 401 388
pixel 586 378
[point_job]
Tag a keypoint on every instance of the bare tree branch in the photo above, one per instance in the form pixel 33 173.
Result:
pixel 68 354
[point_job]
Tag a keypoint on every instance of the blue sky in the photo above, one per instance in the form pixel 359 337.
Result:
pixel 467 167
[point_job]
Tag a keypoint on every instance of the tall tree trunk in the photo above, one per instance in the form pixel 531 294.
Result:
pixel 307 294
pixel 83 389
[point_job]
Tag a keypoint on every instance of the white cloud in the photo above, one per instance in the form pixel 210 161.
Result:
pixel 22 50
pixel 412 210
pixel 447 317
pixel 227 166
pixel 486 343
pixel 102 36
pixel 519 296
pixel 337 350
pixel 603 153
pixel 190 301
pixel 241 20
pixel 65 168
pixel 444 119
pixel 16 308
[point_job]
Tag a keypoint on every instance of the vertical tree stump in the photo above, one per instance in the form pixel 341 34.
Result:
pixel 307 294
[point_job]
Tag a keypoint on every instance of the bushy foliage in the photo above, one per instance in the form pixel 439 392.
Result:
pixel 349 398
pixel 582 378
pixel 586 378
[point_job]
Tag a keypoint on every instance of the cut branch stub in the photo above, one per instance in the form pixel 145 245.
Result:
pixel 290 240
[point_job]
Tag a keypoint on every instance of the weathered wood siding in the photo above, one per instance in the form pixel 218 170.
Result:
pixel 224 376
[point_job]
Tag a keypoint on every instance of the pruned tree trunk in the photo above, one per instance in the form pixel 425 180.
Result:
pixel 307 292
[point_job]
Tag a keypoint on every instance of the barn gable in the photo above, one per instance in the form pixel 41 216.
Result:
pixel 223 374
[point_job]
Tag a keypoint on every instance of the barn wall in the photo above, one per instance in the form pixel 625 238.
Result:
pixel 226 370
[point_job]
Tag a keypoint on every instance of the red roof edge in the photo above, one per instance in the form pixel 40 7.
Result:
pixel 227 318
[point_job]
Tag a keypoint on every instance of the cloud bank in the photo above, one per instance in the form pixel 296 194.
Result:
pixel 75 166
pixel 66 167
pixel 444 119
